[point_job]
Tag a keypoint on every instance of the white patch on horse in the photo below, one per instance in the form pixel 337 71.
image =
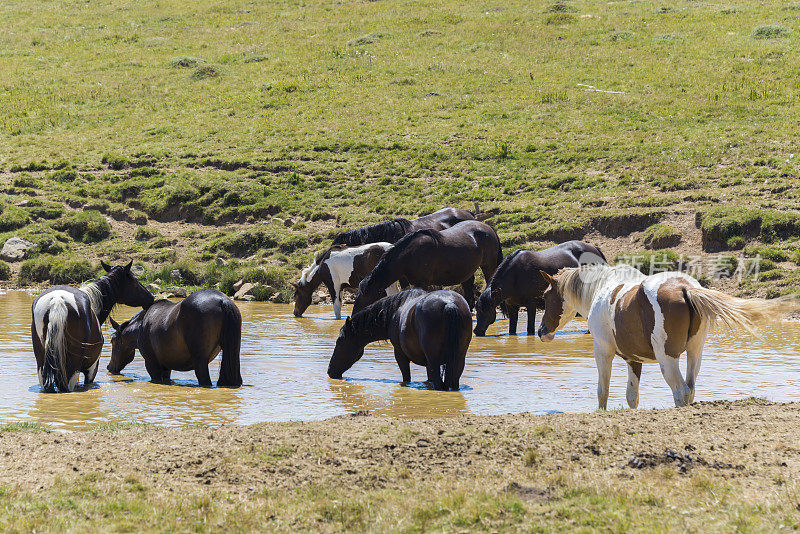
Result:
pixel 44 304
pixel 39 372
pixel 92 372
pixel 73 381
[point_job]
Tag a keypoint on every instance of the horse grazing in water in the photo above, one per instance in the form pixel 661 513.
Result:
pixel 517 282
pixel 66 326
pixel 182 336
pixel 392 231
pixel 338 267
pixel 646 319
pixel 433 258
pixel 430 329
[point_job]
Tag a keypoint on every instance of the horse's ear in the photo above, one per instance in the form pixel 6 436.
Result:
pixel 128 267
pixel 105 266
pixel 548 278
pixel 114 324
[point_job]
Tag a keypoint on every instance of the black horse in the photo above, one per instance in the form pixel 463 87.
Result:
pixel 392 231
pixel 432 258
pixel 517 282
pixel 429 329
pixel 65 326
pixel 183 336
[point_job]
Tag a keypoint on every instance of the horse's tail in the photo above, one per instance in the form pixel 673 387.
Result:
pixel 54 371
pixel 231 341
pixel 452 340
pixel 710 305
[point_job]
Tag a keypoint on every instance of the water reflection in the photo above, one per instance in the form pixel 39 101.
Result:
pixel 284 363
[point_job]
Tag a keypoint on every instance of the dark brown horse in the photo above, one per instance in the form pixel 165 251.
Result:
pixel 517 282
pixel 183 336
pixel 392 231
pixel 429 329
pixel 338 267
pixel 432 258
pixel 66 326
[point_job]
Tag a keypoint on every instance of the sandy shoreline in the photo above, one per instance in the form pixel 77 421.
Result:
pixel 720 462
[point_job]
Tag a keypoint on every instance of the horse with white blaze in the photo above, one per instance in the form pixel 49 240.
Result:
pixel 647 319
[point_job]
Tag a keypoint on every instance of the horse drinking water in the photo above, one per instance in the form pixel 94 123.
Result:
pixel 338 267
pixel 646 319
pixel 182 336
pixel 430 329
pixel 517 282
pixel 432 258
pixel 66 322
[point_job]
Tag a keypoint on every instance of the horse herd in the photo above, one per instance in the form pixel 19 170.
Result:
pixel 637 317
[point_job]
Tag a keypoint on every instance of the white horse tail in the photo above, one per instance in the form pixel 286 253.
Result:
pixel 711 305
pixel 54 371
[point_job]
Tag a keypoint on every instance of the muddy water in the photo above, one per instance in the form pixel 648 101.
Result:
pixel 284 360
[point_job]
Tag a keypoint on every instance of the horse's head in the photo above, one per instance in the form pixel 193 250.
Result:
pixel 123 343
pixel 347 352
pixel 557 310
pixel 131 291
pixel 368 292
pixel 485 311
pixel 302 298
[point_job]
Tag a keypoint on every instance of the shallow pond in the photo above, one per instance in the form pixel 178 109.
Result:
pixel 284 363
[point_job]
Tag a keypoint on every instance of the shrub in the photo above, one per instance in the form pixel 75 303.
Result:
pixel 115 161
pixel 56 270
pixel 145 234
pixel 767 252
pixel 5 271
pixel 12 217
pixel 84 226
pixel 650 262
pixel 246 242
pixel 206 71
pixel 25 180
pixel 720 224
pixel 64 175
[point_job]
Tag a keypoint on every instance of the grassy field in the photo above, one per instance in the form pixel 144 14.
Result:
pixel 252 132
pixel 710 467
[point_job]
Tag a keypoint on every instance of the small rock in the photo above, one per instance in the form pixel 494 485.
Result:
pixel 238 285
pixel 15 249
pixel 22 203
pixel 154 287
pixel 248 298
pixel 137 270
pixel 220 262
pixel 158 281
pixel 178 292
pixel 175 274
pixel 288 222
pixel 244 290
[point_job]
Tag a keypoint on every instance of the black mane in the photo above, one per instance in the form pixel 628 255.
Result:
pixel 504 266
pixel 389 231
pixel 374 319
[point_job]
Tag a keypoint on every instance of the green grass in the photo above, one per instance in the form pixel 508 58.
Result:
pixel 347 114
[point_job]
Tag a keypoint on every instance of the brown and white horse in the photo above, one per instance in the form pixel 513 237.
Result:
pixel 646 319
pixel 338 267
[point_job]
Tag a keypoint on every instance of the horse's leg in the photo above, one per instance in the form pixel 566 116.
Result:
pixel 671 369
pixel 90 373
pixel 154 369
pixel 469 291
pixel 531 307
pixel 336 296
pixel 694 353
pixel 603 355
pixel 632 392
pixel 404 363
pixel 513 316
pixel 201 370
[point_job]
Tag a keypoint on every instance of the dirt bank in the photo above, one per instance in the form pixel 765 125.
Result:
pixel 722 465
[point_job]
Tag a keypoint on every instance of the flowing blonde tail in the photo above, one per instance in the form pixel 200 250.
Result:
pixel 734 312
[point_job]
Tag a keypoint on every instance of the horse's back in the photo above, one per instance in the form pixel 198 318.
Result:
pixel 443 218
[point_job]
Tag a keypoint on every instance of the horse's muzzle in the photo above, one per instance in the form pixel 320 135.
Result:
pixel 333 374
pixel 546 335
pixel 479 332
pixel 297 313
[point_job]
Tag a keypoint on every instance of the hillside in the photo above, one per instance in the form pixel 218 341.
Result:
pixel 234 139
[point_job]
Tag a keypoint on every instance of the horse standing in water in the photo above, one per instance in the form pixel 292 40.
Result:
pixel 517 282
pixel 430 329
pixel 392 231
pixel 182 336
pixel 66 322
pixel 646 319
pixel 433 258
pixel 338 267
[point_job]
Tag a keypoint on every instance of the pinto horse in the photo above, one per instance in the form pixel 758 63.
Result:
pixel 517 282
pixel 646 319
pixel 65 326
pixel 430 329
pixel 392 231
pixel 338 267
pixel 432 258
pixel 182 336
